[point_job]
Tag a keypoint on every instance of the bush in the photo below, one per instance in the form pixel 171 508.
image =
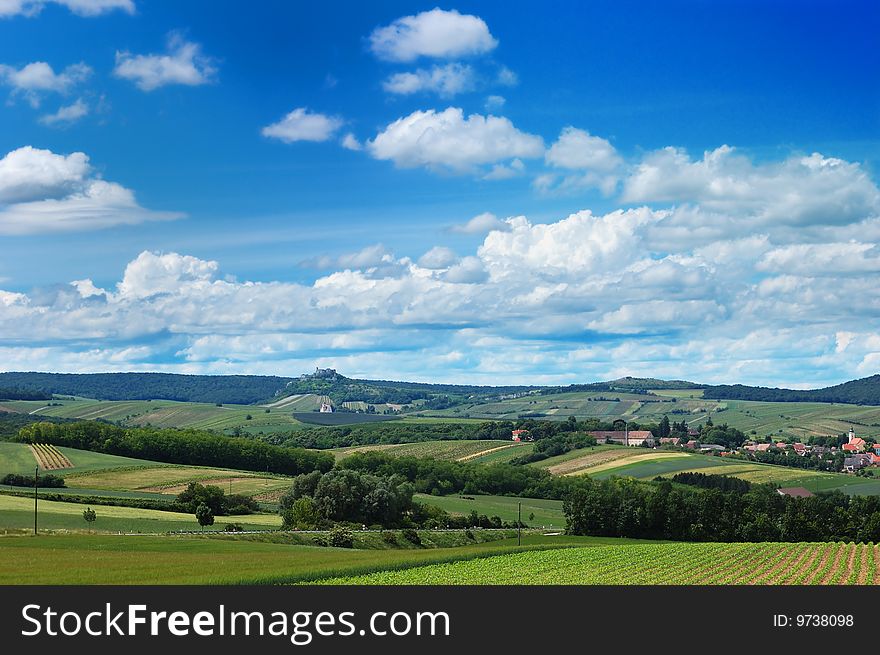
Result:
pixel 15 480
pixel 389 538
pixel 412 536
pixel 340 537
pixel 233 527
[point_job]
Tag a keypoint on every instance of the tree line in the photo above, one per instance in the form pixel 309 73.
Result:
pixel 240 389
pixel 621 507
pixel 324 437
pixel 192 447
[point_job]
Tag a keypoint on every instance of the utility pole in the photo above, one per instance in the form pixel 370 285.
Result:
pixel 519 525
pixel 36 472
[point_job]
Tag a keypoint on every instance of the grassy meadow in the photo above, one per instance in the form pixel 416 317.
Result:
pixel 185 559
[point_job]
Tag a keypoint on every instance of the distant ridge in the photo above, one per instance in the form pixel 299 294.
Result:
pixel 253 389
pixel 865 391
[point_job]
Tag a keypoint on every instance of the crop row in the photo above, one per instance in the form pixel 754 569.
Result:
pixel 711 564
pixel 49 457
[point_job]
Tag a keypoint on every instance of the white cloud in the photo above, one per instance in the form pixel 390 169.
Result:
pixel 446 81
pixel 596 161
pixel 578 149
pixel 470 270
pixel 41 191
pixel 369 257
pixel 183 64
pixel 670 291
pixel 494 103
pixel 151 274
pixel 350 142
pixel 448 141
pixel 507 77
pixel 799 191
pixel 822 259
pixel 435 33
pixel 481 224
pixel 303 125
pixel 35 79
pixel 78 7
pixel 438 257
pixel 67 114
pixel 506 171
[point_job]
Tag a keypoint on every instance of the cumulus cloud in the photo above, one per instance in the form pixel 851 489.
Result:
pixel 633 291
pixel 448 140
pixel 183 63
pixel 350 142
pixel 34 80
pixel 481 224
pixel 67 114
pixel 436 33
pixel 78 7
pixel 303 125
pixel 591 161
pixel 446 81
pixel 41 191
pixel 438 257
pixel 799 191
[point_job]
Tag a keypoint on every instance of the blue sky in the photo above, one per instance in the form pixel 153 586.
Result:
pixel 686 190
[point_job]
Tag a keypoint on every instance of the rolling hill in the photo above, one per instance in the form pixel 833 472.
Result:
pixel 865 391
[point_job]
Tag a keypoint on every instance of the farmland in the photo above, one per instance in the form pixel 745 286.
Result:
pixel 646 466
pixel 780 419
pixel 654 564
pixel 18 458
pixel 177 559
pixel 17 513
pixel 174 479
pixel 547 513
pixel 458 450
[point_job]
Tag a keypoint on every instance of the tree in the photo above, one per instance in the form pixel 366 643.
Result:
pixel 301 515
pixel 89 517
pixel 664 428
pixel 204 515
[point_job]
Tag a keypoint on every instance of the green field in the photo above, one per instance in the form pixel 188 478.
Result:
pixel 111 559
pixel 654 564
pixel 165 414
pixel 791 420
pixel 17 458
pixel 451 450
pixel 548 513
pixel 17 513
pixel 755 472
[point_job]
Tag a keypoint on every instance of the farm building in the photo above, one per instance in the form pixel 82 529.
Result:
pixel 326 408
pixel 520 435
pixel 856 462
pixel 623 437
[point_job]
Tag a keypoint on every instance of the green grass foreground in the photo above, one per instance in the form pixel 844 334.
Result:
pixel 116 559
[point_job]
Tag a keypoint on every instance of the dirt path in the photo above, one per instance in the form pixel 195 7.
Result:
pixel 877 564
pixel 854 550
pixel 863 565
pixel 468 458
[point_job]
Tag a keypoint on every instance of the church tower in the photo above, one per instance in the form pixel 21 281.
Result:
pixel 852 435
